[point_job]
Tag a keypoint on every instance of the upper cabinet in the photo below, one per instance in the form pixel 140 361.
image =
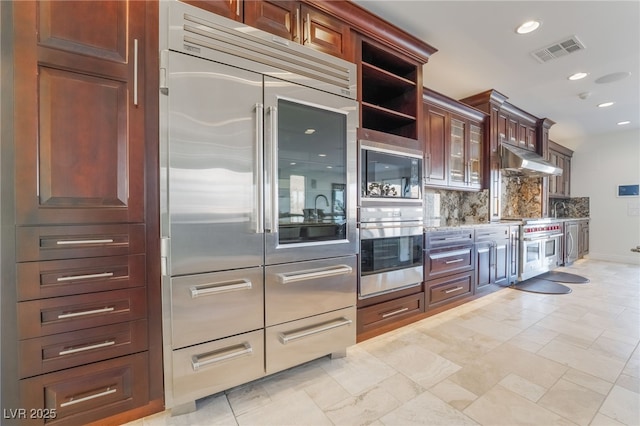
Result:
pixel 389 88
pixel 232 9
pixel 454 143
pixel 300 23
pixel 559 156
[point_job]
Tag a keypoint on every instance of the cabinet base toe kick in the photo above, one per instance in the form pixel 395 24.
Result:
pixel 202 370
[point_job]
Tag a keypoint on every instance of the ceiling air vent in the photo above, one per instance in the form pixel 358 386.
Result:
pixel 558 49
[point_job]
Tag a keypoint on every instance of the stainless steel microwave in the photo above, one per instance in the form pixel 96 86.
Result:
pixel 390 173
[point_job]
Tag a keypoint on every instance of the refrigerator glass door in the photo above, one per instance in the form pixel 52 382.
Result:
pixel 310 142
pixel 214 158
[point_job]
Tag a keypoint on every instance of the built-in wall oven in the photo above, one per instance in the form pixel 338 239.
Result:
pixel 540 247
pixel 390 219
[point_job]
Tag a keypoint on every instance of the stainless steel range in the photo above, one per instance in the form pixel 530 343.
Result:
pixel 540 246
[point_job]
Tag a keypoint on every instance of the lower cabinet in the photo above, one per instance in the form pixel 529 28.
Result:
pixel 447 289
pixel 386 313
pixel 492 256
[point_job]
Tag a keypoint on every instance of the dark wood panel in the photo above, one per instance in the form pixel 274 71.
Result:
pixel 63 314
pixel 66 277
pixel 325 33
pixel 440 262
pixel 279 17
pixel 385 313
pixel 446 289
pixel 231 9
pixel 88 393
pixel 96 28
pixel 436 145
pixel 68 242
pixel 51 353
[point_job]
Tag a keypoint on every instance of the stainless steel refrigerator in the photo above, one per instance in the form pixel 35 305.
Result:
pixel 258 190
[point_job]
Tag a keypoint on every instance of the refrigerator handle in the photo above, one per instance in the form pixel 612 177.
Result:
pixel 259 151
pixel 272 226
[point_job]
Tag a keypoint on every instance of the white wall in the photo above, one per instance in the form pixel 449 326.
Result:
pixel 599 164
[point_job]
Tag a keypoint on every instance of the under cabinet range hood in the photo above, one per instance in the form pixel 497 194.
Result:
pixel 527 163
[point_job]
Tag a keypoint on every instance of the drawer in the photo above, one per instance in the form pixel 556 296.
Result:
pixel 71 242
pixel 448 288
pixel 303 289
pixel 448 238
pixel 65 350
pixel 385 313
pixel 212 306
pixel 212 367
pixel 89 393
pixel 62 314
pixel 447 261
pixel 491 234
pixel 300 341
pixel 40 280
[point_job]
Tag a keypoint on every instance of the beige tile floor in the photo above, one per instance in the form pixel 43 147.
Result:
pixel 509 358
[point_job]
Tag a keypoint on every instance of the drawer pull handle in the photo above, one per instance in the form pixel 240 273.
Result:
pixel 451 290
pixel 286 338
pixel 399 311
pixel 85 277
pixel 73 401
pixel 76 242
pixel 87 347
pixel 203 360
pixel 451 253
pixel 311 274
pixel 82 313
pixel 449 262
pixel 220 287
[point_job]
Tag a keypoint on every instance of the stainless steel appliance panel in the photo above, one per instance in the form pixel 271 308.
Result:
pixel 310 150
pixel 212 367
pixel 383 282
pixel 299 341
pixel 303 289
pixel 212 306
pixel 214 166
pixel 571 242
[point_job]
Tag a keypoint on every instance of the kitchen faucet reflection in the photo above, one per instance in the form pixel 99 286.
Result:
pixel 320 213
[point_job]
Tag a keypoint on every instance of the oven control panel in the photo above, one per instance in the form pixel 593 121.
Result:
pixel 543 228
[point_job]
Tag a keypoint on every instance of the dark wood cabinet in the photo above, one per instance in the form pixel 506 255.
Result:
pixel 560 156
pixel 80 268
pixel 492 256
pixel 232 9
pixel 454 143
pixel 389 89
pixel 300 23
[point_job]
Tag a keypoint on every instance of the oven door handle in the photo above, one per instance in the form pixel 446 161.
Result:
pixel 546 237
pixel 387 225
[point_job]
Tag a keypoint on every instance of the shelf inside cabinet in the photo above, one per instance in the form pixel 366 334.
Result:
pixel 385 120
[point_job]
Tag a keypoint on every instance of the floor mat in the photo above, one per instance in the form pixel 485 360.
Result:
pixel 538 285
pixel 563 277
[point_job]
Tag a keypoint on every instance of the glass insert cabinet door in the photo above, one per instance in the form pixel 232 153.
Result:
pixel 475 156
pixel 457 152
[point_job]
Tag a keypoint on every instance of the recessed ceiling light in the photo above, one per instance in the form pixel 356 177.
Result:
pixel 610 78
pixel 322 155
pixel 578 76
pixel 528 27
pixel 329 167
pixel 605 104
pixel 622 123
pixel 309 131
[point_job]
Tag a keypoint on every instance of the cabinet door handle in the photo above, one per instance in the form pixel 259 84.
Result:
pixel 396 312
pixel 73 400
pixel 87 347
pixel 259 155
pixel 84 277
pixel 83 313
pixel 220 287
pixel 237 7
pixel 310 274
pixel 451 290
pixel 449 262
pixel 78 242
pixel 135 72
pixel 203 360
pixel 286 338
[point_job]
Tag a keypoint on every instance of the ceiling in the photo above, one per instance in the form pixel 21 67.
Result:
pixel 478 50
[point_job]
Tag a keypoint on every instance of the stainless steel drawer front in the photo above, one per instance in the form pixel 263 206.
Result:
pixel 300 341
pixel 303 289
pixel 212 306
pixel 212 367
